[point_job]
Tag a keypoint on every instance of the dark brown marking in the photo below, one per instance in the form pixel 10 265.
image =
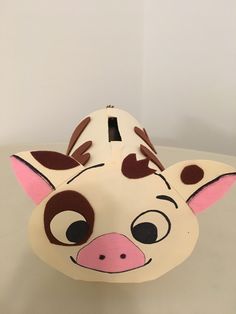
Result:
pixel 135 169
pixel 147 153
pixel 144 136
pixel 76 134
pixel 54 160
pixel 79 153
pixel 192 174
pixel 67 200
pixel 84 159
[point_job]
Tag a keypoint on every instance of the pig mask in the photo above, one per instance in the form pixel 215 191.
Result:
pixel 107 210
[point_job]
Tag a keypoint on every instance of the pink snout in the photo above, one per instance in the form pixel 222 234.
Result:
pixel 111 253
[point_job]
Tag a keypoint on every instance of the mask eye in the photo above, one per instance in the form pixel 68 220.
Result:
pixel 70 227
pixel 77 231
pixel 150 227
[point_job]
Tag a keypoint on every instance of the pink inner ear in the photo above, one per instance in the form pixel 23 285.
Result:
pixel 211 193
pixel 34 184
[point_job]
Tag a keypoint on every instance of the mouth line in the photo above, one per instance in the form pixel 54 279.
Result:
pixel 112 272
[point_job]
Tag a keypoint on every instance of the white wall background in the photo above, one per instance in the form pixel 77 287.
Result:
pixel 189 72
pixel 172 64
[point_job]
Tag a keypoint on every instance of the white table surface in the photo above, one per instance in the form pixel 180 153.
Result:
pixel 204 284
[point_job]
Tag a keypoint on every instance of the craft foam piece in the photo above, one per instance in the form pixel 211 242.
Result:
pixel 108 210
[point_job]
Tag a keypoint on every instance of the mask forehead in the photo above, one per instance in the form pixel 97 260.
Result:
pixel 108 184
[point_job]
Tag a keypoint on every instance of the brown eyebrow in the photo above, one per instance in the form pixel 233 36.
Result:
pixel 95 166
pixel 167 198
pixel 81 154
pixel 142 133
pixel 152 157
pixel 76 134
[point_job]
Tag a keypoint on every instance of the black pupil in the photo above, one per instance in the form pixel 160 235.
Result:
pixel 145 232
pixel 77 231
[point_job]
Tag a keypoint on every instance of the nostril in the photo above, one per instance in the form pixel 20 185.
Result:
pixel 111 253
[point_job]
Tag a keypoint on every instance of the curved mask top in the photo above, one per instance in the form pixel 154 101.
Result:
pixel 109 135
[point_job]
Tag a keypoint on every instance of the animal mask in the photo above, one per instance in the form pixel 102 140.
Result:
pixel 107 210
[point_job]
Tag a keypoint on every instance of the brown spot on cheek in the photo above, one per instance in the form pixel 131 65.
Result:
pixel 192 174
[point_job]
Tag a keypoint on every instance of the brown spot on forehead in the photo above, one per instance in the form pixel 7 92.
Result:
pixel 192 174
pixel 135 169
pixel 76 134
pixel 54 160
pixel 144 136
pixel 146 152
pixel 67 200
pixel 79 153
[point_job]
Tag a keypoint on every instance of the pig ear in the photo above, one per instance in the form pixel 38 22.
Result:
pixel 35 184
pixel 40 172
pixel 200 182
